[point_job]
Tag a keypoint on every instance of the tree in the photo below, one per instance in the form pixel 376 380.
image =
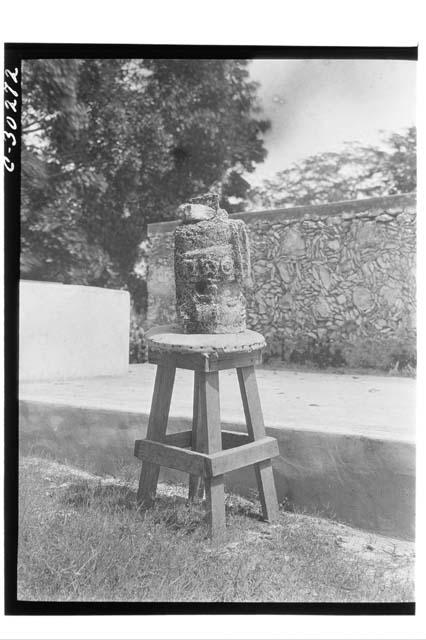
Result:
pixel 356 172
pixel 54 242
pixel 110 145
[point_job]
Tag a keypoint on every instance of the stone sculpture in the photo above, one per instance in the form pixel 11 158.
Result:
pixel 212 268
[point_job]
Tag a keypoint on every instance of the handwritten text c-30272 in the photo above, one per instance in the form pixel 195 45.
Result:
pixel 11 95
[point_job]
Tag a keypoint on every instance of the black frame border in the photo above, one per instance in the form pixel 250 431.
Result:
pixel 14 54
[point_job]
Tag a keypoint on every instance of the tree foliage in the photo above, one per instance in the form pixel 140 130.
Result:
pixel 110 145
pixel 358 171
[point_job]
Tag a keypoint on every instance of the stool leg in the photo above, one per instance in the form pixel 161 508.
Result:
pixel 196 483
pixel 256 430
pixel 209 440
pixel 215 504
pixel 157 426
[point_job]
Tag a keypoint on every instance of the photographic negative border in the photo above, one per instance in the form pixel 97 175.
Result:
pixel 14 54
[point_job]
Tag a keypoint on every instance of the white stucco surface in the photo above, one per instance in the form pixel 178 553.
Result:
pixel 380 407
pixel 346 442
pixel 70 331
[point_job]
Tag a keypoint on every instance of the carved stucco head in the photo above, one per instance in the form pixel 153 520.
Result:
pixel 204 207
pixel 212 268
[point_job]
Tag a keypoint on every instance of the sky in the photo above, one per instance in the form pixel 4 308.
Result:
pixel 317 105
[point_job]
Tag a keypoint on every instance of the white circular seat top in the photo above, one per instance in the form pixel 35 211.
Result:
pixel 170 338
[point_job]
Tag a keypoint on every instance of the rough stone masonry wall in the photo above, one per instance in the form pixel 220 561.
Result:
pixel 334 284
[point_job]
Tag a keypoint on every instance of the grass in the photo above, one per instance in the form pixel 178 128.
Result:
pixel 81 538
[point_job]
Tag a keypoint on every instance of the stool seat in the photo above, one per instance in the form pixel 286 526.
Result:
pixel 171 339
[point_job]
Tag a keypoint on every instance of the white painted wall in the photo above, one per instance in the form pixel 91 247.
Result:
pixel 70 331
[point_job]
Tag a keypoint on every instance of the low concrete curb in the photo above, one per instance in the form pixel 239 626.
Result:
pixel 365 482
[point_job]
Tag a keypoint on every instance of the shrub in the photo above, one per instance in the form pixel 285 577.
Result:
pixel 138 348
pixel 396 353
pixel 393 354
pixel 321 352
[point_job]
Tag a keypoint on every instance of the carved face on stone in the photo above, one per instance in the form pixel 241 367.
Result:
pixel 211 270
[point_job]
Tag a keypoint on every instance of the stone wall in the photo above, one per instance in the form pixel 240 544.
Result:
pixel 334 284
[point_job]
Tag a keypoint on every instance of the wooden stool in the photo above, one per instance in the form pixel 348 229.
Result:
pixel 213 452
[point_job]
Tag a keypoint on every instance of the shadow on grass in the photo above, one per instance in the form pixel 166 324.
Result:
pixel 236 506
pixel 171 511
pixel 84 494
